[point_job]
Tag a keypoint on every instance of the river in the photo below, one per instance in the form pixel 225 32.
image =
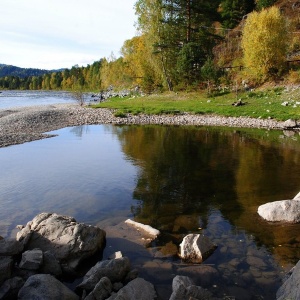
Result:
pixel 178 179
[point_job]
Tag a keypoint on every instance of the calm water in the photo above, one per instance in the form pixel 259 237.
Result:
pixel 177 179
pixel 10 99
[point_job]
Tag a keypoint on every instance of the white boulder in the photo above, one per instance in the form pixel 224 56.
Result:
pixel 284 210
pixel 195 248
pixel 150 230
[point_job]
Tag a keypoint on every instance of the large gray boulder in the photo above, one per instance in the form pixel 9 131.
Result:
pixel 116 270
pixel 69 241
pixel 195 248
pixel 290 288
pixel 45 287
pixel 284 210
pixel 137 289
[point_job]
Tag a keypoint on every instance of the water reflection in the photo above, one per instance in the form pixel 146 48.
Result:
pixel 177 179
pixel 184 173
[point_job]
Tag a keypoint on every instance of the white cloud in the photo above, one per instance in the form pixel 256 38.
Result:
pixel 55 33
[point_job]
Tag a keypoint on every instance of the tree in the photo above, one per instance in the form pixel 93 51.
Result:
pixel 260 4
pixel 232 11
pixel 264 43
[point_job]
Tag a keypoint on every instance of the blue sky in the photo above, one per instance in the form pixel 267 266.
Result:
pixel 52 34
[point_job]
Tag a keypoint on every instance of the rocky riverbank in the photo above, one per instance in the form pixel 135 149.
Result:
pixel 20 125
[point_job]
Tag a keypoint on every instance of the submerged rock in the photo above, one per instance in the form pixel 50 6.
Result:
pixel 184 288
pixel 195 248
pixel 69 241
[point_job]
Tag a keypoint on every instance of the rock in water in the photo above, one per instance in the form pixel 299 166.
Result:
pixel 284 210
pixel 195 248
pixel 69 241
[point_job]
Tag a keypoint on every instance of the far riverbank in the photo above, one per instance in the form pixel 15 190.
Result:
pixel 25 124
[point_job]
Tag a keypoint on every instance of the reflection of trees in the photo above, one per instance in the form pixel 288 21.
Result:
pixel 183 173
pixel 79 130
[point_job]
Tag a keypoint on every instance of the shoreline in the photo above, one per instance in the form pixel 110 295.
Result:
pixel 24 124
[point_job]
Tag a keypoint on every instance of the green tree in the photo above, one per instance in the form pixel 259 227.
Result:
pixel 260 4
pixel 232 11
pixel 264 43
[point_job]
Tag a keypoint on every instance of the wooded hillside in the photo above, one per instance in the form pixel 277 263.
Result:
pixel 183 45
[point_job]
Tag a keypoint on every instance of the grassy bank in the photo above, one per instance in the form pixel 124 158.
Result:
pixel 257 104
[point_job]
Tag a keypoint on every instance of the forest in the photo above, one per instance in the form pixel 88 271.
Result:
pixel 190 45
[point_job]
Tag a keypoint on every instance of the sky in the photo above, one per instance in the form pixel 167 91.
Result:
pixel 53 34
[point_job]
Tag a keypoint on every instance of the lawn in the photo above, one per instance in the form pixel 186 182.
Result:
pixel 257 104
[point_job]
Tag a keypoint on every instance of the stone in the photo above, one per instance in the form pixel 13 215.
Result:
pixel 45 287
pixel 115 255
pixel 102 290
pixel 203 275
pixel 150 230
pixel 69 241
pixel 184 288
pixel 51 265
pixel 10 288
pixel 31 259
pixel 10 247
pixel 115 269
pixel 137 289
pixel 284 210
pixel 195 248
pixel 6 265
pixel 290 123
pixel 290 288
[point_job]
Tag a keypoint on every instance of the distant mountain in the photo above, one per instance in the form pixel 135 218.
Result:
pixel 8 70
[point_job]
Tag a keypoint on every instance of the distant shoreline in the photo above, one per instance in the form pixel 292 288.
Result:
pixel 25 124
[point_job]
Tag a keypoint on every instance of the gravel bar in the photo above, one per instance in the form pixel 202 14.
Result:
pixel 25 124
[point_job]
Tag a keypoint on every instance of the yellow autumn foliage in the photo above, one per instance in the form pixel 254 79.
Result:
pixel 265 43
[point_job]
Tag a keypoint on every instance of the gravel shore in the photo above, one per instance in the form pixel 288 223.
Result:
pixel 25 124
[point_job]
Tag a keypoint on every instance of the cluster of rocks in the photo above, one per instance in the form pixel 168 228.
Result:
pixel 110 93
pixel 52 246
pixel 21 125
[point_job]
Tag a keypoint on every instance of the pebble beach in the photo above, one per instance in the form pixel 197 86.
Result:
pixel 25 124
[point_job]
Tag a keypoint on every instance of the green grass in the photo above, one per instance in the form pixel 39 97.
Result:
pixel 258 104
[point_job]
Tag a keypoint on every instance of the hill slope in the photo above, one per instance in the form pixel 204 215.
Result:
pixel 8 70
